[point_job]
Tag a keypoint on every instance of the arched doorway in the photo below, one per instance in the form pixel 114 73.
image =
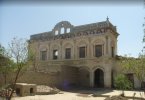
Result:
pixel 31 90
pixel 18 91
pixel 99 78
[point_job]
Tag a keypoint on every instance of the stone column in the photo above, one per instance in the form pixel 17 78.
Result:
pixel 93 53
pixel 65 29
pixel 74 47
pixel 86 54
pixel 60 51
pixel 59 31
pixel 48 53
pixel 89 48
pixel 109 46
pixel 91 79
pixel 107 79
pixel 106 45
pixel 115 48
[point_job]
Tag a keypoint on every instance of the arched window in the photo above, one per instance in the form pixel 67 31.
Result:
pixel 62 30
pixel 67 53
pixel 56 32
pixel 67 30
pixel 98 51
pixel 82 52
pixel 43 55
pixel 55 54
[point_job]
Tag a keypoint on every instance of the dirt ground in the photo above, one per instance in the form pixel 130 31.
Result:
pixel 81 95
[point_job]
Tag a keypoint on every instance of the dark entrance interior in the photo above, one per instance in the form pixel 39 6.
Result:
pixel 99 78
pixel 31 90
pixel 18 91
pixel 131 78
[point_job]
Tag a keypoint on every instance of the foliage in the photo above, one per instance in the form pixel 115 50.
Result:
pixel 121 82
pixel 32 58
pixel 144 32
pixel 18 50
pixel 134 65
pixel 2 50
pixel 6 64
pixel 19 53
pixel 127 64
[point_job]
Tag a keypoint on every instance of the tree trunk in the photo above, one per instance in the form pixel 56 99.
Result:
pixel 14 84
pixel 5 76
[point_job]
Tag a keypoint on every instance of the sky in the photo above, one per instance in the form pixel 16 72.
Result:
pixel 24 19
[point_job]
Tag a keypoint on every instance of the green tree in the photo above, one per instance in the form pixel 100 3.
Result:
pixel 6 64
pixel 134 65
pixel 19 53
pixel 2 50
pixel 32 58
pixel 121 82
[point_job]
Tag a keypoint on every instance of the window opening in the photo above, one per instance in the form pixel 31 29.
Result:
pixel 98 50
pixel 62 30
pixel 82 52
pixel 68 30
pixel 56 32
pixel 55 54
pixel 67 53
pixel 43 55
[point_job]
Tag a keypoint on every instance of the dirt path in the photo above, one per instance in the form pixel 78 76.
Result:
pixel 80 95
pixel 63 96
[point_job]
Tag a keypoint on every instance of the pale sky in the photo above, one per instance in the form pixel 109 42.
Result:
pixel 22 20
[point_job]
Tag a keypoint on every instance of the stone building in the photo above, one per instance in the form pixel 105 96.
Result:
pixel 78 55
pixel 23 89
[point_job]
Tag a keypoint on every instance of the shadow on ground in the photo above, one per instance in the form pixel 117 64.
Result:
pixel 86 92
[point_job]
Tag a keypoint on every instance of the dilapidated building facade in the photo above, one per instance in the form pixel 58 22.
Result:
pixel 79 55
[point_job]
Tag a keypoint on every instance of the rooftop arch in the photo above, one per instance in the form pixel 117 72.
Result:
pixel 62 28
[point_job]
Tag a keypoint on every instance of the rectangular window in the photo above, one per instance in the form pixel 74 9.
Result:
pixel 43 55
pixel 55 54
pixel 67 53
pixel 82 52
pixel 98 50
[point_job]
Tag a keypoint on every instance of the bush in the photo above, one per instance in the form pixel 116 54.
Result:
pixel 122 83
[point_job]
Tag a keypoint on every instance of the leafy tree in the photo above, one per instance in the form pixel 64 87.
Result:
pixel 2 50
pixel 134 65
pixel 19 53
pixel 121 82
pixel 32 58
pixel 6 64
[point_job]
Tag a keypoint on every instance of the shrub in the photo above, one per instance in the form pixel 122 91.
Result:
pixel 122 83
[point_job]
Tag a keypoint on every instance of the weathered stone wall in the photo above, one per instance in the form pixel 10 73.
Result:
pixel 84 77
pixel 9 79
pixel 69 77
pixel 33 77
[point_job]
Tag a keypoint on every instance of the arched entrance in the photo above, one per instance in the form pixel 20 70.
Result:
pixel 31 90
pixel 18 91
pixel 98 78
